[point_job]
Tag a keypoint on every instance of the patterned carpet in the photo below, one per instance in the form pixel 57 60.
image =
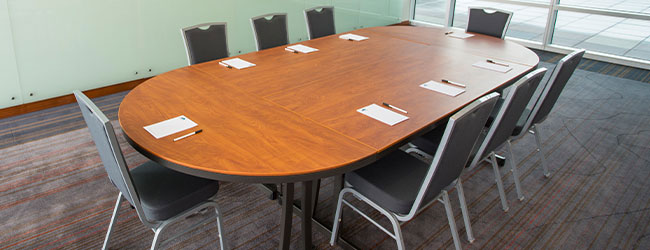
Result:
pixel 54 192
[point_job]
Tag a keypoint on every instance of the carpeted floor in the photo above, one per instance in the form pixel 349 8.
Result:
pixel 54 192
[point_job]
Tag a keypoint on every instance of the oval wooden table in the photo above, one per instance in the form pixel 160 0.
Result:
pixel 292 118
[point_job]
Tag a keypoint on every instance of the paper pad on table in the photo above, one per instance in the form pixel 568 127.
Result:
pixel 171 126
pixel 381 114
pixel 460 35
pixel 492 66
pixel 446 89
pixel 352 37
pixel 302 48
pixel 238 63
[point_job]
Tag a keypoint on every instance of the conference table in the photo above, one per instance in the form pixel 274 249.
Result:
pixel 293 117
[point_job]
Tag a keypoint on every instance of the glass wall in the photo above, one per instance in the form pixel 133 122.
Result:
pixel 615 27
pixel 527 22
pixel 612 35
pixel 430 11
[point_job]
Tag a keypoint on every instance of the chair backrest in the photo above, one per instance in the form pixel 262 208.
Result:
pixel 488 21
pixel 559 78
pixel 110 153
pixel 205 44
pixel 271 32
pixel 320 21
pixel 519 95
pixel 461 133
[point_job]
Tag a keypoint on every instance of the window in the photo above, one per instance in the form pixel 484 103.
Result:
pixel 614 27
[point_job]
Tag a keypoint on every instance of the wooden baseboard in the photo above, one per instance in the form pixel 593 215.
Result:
pixel 403 23
pixel 62 100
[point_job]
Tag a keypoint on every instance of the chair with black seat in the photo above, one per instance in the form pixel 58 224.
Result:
pixel 488 21
pixel 270 30
pixel 539 110
pixel 493 137
pixel 399 185
pixel 320 21
pixel 159 195
pixel 205 42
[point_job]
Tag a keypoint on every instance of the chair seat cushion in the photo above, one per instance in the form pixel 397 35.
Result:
pixel 165 193
pixel 392 182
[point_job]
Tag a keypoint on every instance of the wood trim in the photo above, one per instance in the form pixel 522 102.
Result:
pixel 62 100
pixel 403 23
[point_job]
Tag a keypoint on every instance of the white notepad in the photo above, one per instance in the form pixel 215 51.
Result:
pixel 237 63
pixel 353 37
pixel 302 48
pixel 460 35
pixel 492 66
pixel 443 88
pixel 381 114
pixel 171 126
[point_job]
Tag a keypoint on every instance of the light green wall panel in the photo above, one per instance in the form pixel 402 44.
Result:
pixel 63 45
pixel 9 86
pixel 346 15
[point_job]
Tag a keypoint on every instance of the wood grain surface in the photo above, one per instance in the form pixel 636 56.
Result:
pixel 295 114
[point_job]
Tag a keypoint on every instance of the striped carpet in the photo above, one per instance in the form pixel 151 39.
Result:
pixel 55 193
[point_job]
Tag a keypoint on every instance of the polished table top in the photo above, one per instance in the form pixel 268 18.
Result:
pixel 293 116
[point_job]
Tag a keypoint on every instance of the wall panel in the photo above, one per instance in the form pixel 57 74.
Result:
pixel 63 45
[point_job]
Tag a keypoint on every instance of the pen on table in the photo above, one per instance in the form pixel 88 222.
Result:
pixel 225 65
pixel 454 83
pixel 449 32
pixel 395 108
pixel 497 63
pixel 291 50
pixel 187 135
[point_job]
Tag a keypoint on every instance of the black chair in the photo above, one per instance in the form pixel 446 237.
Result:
pixel 488 21
pixel 399 185
pixel 205 42
pixel 543 105
pixel 498 133
pixel 159 195
pixel 270 30
pixel 320 21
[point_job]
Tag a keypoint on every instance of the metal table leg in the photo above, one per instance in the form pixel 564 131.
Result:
pixel 287 213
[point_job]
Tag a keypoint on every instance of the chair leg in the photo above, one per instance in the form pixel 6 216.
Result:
pixel 156 238
pixel 515 172
pixel 463 209
pixel 222 234
pixel 452 221
pixel 540 151
pixel 116 212
pixel 497 178
pixel 398 232
pixel 337 219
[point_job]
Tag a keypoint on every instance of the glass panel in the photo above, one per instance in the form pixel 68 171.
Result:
pixel 527 22
pixel 376 13
pixel 612 35
pixel 9 86
pixel 430 11
pixel 639 6
pixel 346 15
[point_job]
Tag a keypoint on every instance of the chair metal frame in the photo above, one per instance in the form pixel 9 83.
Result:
pixel 286 24
pixel 316 9
pixel 91 111
pixel 531 127
pixel 198 26
pixel 492 155
pixel 417 207
pixel 486 9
